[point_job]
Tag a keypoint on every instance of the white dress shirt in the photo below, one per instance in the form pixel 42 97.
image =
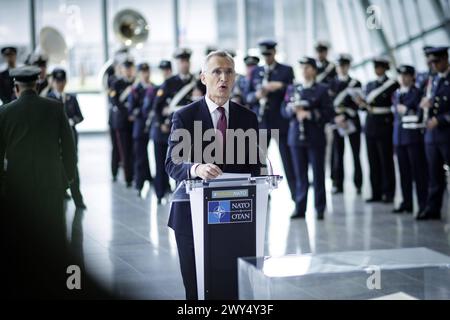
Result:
pixel 215 115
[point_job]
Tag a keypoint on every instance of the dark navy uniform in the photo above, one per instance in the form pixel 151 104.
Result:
pixel 307 140
pixel 437 140
pixel 379 130
pixel 139 93
pixel 115 155
pixel 242 85
pixel 409 146
pixel 345 106
pixel 160 129
pixel 7 93
pixel 122 126
pixel 326 70
pixel 74 115
pixel 271 106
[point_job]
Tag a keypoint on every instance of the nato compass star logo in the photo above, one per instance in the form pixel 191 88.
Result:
pixel 218 212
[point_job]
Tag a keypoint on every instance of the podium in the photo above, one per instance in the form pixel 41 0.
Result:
pixel 229 222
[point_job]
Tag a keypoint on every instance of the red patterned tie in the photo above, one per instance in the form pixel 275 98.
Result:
pixel 222 125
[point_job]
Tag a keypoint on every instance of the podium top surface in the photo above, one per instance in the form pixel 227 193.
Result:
pixel 181 194
pixel 341 262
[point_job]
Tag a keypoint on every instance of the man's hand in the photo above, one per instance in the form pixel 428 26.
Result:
pixel 425 103
pixel 401 108
pixel 432 123
pixel 303 114
pixel 272 86
pixel 208 171
pixel 340 121
pixel 360 101
pixel 262 93
pixel 165 128
pixel 166 111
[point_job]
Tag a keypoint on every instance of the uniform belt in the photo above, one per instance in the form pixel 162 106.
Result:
pixel 380 110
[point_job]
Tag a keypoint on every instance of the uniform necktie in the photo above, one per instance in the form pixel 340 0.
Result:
pixel 222 125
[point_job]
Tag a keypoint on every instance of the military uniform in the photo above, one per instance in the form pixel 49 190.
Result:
pixel 74 115
pixel 37 143
pixel 379 130
pixel 307 140
pixel 139 93
pixel 121 125
pixel 174 93
pixel 7 93
pixel 345 105
pixel 409 146
pixel 268 109
pixel 242 85
pixel 326 70
pixel 437 140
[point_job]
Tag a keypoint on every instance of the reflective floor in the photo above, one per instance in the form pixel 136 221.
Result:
pixel 127 247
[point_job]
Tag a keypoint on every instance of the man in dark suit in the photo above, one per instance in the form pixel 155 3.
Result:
pixel 214 111
pixel 38 159
pixel 268 86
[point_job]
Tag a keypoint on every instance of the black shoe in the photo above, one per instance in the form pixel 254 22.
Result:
pixel 358 191
pixel 114 179
pixel 320 215
pixel 67 196
pixel 428 214
pixel 129 184
pixel 402 209
pixel 159 201
pixel 298 214
pixel 373 199
pixel 337 190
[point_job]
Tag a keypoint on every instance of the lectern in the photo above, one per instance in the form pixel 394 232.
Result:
pixel 229 222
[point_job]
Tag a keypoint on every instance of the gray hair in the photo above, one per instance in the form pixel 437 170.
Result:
pixel 218 53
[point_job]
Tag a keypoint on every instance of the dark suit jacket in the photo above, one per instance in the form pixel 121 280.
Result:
pixel 239 118
pixel 411 100
pixel 37 141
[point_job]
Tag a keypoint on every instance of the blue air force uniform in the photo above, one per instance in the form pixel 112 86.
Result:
pixel 138 112
pixel 379 130
pixel 437 140
pixel 271 117
pixel 307 140
pixel 409 146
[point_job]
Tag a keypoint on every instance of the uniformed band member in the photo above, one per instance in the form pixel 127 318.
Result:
pixel 408 141
pixel 74 115
pixel 268 86
pixel 437 134
pixel 379 130
pixel 120 118
pixel 326 70
pixel 43 85
pixel 173 94
pixel 242 85
pixel 6 83
pixel 347 124
pixel 308 107
pixel 138 114
pixel 37 142
pixel 424 79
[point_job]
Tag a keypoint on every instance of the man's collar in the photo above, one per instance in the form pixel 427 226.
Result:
pixel 344 78
pixel 444 74
pixel 212 106
pixel 382 78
